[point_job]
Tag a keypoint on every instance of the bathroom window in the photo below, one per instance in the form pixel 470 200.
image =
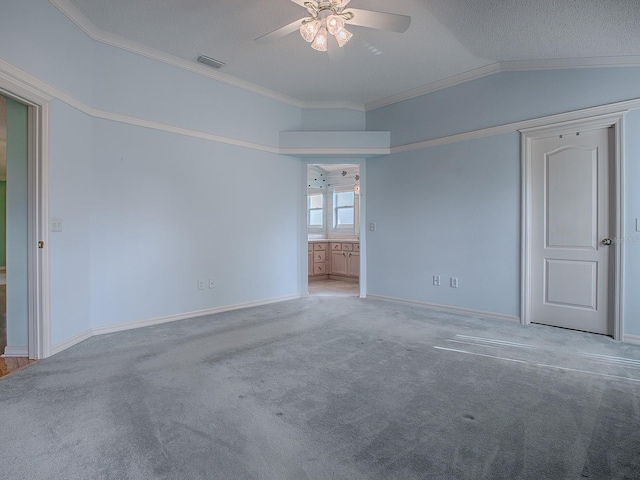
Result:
pixel 344 210
pixel 315 210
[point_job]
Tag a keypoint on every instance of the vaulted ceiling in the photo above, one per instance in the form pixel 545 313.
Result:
pixel 446 38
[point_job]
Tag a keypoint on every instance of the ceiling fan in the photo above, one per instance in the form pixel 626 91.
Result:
pixel 327 19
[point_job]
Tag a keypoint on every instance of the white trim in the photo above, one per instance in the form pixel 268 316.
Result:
pixel 449 309
pixel 82 22
pixel 120 327
pixel 74 14
pixel 509 66
pixel 628 338
pixel 333 105
pixel 464 77
pixel 15 351
pixel 335 152
pixel 37 102
pixel 539 122
pixel 567 63
pixel 611 120
pixel 42 92
pixel 49 92
pixel 70 342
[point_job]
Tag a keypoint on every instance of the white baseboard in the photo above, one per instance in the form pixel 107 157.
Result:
pixel 628 338
pixel 120 327
pixel 70 342
pixel 449 309
pixel 15 351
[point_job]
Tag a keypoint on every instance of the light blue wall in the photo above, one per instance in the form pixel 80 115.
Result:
pixel 454 209
pixel 17 235
pixel 146 213
pixel 167 210
pixel 70 176
pixel 632 212
pixel 134 85
pixel 36 37
pixel 332 120
pixel 503 98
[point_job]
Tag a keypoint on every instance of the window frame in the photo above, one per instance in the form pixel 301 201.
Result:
pixel 321 227
pixel 336 208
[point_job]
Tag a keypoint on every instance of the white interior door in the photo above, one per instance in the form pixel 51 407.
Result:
pixel 571 233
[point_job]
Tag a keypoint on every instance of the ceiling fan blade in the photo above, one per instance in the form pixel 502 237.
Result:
pixel 279 33
pixel 335 52
pixel 383 21
pixel 344 3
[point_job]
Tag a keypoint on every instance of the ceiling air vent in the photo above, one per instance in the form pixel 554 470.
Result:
pixel 212 62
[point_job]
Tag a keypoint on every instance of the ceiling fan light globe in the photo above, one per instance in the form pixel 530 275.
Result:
pixel 320 42
pixel 334 24
pixel 309 30
pixel 343 36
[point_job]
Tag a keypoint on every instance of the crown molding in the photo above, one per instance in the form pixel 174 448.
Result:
pixel 614 109
pixel 338 105
pixel 464 77
pixel 77 17
pixel 510 66
pixel 72 12
pixel 82 22
pixel 335 152
pixel 565 63
pixel 48 92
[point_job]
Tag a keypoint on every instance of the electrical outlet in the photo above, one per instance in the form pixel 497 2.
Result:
pixel 372 227
pixel 212 283
pixel 454 282
pixel 200 284
pixel 436 280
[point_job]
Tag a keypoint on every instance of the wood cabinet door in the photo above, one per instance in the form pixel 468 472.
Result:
pixel 353 264
pixel 339 263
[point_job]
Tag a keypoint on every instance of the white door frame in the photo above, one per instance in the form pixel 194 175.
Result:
pixel 303 279
pixel 614 121
pixel 13 86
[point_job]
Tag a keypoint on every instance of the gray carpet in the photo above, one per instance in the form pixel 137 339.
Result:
pixel 323 388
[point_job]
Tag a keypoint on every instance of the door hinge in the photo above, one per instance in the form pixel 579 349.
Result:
pixel 40 244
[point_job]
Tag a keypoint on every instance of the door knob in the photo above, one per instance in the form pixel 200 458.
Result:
pixel 607 241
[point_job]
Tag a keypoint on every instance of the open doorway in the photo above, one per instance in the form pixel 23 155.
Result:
pixel 3 223
pixel 333 229
pixel 26 267
pixel 14 207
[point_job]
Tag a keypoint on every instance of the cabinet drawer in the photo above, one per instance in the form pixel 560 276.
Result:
pixel 309 247
pixel 319 246
pixel 356 247
pixel 336 246
pixel 347 247
pixel 319 268
pixel 319 256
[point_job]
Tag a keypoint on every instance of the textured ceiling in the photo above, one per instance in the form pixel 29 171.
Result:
pixel 446 37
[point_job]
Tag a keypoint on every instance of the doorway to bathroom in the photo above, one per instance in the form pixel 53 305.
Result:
pixel 333 229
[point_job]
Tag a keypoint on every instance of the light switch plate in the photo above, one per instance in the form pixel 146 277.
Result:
pixel 56 224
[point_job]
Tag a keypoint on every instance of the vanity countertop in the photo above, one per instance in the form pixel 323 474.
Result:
pixel 334 240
